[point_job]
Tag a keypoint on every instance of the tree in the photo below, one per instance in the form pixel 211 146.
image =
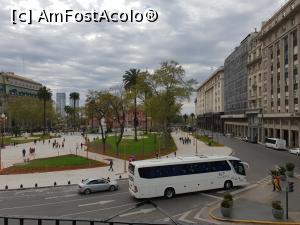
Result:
pixel 169 89
pixel 90 103
pixel 144 93
pixel 69 111
pixel 193 117
pixel 25 112
pixel 44 94
pixel 130 80
pixel 75 97
pixel 119 104
pixel 185 117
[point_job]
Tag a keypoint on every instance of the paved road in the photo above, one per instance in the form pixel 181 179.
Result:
pixel 260 158
pixel 66 202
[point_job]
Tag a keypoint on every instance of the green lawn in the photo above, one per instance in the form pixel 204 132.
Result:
pixel 143 148
pixel 208 140
pixel 53 164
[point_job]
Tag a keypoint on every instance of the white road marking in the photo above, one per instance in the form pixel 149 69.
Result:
pixel 221 192
pixel 61 196
pixel 197 217
pixel 54 203
pixel 96 210
pixel 211 196
pixel 144 211
pixel 182 218
pixel 96 203
pixel 243 189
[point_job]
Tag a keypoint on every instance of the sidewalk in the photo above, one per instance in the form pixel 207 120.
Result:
pixel 13 154
pixel 202 148
pixel 254 206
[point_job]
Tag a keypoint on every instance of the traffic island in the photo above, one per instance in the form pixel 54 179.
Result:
pixel 255 206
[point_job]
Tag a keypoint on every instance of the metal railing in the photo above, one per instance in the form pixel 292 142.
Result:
pixel 20 220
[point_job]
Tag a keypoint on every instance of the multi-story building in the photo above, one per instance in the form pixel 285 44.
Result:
pixel 210 101
pixel 280 59
pixel 236 89
pixel 12 85
pixel 255 88
pixel 60 104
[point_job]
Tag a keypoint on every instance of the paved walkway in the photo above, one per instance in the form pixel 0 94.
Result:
pixel 254 206
pixel 13 154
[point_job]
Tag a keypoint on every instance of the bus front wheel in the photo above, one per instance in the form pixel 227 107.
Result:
pixel 169 193
pixel 228 185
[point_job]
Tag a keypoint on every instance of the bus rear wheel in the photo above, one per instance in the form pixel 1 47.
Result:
pixel 228 185
pixel 169 193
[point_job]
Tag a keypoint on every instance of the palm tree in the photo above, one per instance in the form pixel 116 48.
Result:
pixel 44 94
pixel 130 80
pixel 185 117
pixel 193 117
pixel 69 111
pixel 75 97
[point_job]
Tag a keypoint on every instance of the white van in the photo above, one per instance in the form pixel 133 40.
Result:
pixel 275 143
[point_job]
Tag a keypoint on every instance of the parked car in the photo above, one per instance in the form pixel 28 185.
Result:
pixel 94 185
pixel 244 139
pixel 229 135
pixel 295 151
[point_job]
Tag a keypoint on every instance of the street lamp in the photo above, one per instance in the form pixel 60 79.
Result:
pixel 3 118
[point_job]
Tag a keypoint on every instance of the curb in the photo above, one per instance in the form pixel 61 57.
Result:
pixel 249 221
pixel 48 186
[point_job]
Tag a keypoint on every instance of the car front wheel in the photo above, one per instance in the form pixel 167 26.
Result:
pixel 87 191
pixel 112 188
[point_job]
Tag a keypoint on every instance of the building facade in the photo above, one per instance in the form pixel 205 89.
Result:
pixel 280 46
pixel 209 103
pixel 12 85
pixel 236 89
pixel 60 104
pixel 255 89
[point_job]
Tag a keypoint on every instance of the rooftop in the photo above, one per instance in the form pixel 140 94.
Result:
pixel 13 75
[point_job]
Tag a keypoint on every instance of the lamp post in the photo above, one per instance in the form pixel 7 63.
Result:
pixel 3 118
pixel 124 150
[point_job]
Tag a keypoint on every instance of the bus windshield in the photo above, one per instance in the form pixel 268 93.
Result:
pixel 131 168
pixel 238 167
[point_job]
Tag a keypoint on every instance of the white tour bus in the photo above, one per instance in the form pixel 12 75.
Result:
pixel 275 143
pixel 170 176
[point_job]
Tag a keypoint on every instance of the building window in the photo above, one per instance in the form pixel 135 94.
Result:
pixel 296 101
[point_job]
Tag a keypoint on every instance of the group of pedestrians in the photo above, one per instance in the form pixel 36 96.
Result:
pixel 185 140
pixel 56 144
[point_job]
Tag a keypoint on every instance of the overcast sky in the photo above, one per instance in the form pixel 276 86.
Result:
pixel 198 34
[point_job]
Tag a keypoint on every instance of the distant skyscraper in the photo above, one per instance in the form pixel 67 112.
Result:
pixel 76 103
pixel 61 103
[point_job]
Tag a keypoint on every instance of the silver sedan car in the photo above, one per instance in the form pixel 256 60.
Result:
pixel 94 185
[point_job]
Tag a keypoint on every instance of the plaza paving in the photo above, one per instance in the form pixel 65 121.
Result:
pixel 13 154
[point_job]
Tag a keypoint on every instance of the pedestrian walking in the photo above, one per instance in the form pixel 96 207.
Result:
pixel 277 182
pixel 175 153
pixel 24 152
pixel 111 166
pixel 273 182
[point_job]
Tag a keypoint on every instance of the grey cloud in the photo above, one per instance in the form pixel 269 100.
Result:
pixel 78 57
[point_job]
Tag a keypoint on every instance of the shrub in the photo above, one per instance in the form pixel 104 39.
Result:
pixel 290 166
pixel 281 170
pixel 273 172
pixel 228 197
pixel 225 204
pixel 276 205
